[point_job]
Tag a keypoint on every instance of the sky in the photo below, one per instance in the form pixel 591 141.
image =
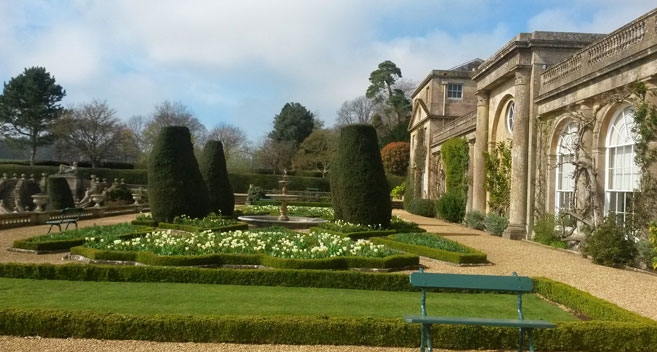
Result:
pixel 239 62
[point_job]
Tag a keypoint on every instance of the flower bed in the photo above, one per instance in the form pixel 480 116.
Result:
pixel 273 247
pixel 433 246
pixel 212 222
pixel 358 231
pixel 63 241
pixel 294 210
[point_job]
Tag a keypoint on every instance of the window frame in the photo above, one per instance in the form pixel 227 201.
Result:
pixel 454 91
pixel 509 116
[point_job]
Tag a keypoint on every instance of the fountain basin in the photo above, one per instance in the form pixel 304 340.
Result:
pixel 294 222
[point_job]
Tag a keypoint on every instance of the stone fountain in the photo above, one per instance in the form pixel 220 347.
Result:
pixel 290 222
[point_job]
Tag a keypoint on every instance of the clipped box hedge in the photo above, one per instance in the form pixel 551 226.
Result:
pixel 612 328
pixel 294 203
pixel 149 223
pixel 355 235
pixel 218 259
pixel 474 257
pixel 66 245
pixel 192 228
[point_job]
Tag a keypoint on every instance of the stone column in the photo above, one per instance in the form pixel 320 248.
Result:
pixel 519 158
pixel 471 147
pixel 478 161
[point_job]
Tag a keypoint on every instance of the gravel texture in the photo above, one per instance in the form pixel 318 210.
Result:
pixel 628 289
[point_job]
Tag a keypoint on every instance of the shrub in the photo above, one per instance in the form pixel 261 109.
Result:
pixel 545 233
pixel 398 191
pixel 255 194
pixel 451 206
pixel 422 207
pixel 59 194
pixel 213 168
pixel 455 156
pixel 472 256
pixel 359 189
pixel 611 244
pixel 496 224
pixel 120 193
pixel 476 220
pixel 175 184
pixel 395 157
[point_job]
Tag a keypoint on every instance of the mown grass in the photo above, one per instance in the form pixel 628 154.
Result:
pixel 198 299
pixel 109 231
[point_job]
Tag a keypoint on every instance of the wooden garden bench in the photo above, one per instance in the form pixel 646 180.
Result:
pixel 515 283
pixel 68 216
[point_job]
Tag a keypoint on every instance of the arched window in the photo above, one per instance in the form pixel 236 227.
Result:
pixel 565 182
pixel 510 116
pixel 622 176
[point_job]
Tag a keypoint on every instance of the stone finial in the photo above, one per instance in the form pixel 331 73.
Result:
pixel 32 177
pixel 123 181
pixel 116 181
pixel 4 175
pixel 22 176
pixel 93 177
pixel 15 176
pixel 104 180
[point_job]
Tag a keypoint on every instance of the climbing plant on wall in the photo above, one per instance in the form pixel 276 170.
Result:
pixel 498 178
pixel 455 156
pixel 419 159
pixel 645 147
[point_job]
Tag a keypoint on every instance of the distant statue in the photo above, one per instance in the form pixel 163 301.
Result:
pixel 65 169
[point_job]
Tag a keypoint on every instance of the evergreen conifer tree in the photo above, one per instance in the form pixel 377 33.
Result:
pixel 213 170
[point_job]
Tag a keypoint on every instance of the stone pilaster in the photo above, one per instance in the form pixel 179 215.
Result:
pixel 519 158
pixel 478 161
pixel 471 147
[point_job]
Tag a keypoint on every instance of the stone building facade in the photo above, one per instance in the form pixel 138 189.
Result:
pixel 439 102
pixel 561 100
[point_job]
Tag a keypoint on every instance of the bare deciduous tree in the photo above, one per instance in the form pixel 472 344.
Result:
pixel 170 113
pixel 233 138
pixel 358 110
pixel 92 129
pixel 276 155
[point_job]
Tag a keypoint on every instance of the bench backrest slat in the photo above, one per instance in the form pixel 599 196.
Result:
pixel 472 282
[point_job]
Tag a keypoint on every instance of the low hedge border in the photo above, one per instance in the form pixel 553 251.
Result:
pixel 616 330
pixel 65 245
pixel 218 259
pixel 149 223
pixel 474 257
pixel 191 228
pixel 295 203
pixel 355 235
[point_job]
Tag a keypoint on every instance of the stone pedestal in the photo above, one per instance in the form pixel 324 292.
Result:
pixel 479 163
pixel 74 182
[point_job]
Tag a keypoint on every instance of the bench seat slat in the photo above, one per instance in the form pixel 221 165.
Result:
pixel 472 282
pixel 514 323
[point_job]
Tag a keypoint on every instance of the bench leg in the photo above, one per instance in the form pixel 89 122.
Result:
pixel 428 337
pixel 66 228
pixel 422 339
pixel 531 340
pixel 520 341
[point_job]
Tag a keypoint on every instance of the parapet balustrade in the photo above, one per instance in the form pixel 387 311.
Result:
pixel 620 44
pixel 457 127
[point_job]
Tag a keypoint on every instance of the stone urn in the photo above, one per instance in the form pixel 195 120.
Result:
pixel 97 198
pixel 137 197
pixel 40 200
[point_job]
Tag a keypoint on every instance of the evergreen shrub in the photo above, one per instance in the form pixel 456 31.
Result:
pixel 255 194
pixel 422 207
pixel 451 206
pixel 175 184
pixel 59 194
pixel 545 233
pixel 213 168
pixel 496 224
pixel 611 244
pixel 476 220
pixel 359 190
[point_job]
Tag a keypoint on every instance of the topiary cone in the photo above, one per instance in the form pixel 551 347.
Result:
pixel 59 194
pixel 213 170
pixel 175 184
pixel 359 189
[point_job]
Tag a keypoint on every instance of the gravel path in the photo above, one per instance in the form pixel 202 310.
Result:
pixel 631 290
pixel 628 289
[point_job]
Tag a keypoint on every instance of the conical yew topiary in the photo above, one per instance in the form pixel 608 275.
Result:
pixel 359 189
pixel 175 185
pixel 59 194
pixel 213 170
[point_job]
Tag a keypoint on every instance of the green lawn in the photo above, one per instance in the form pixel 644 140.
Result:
pixel 168 298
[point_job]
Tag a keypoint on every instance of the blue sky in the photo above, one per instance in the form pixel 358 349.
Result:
pixel 239 62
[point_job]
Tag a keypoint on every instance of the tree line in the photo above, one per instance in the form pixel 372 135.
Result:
pixel 32 116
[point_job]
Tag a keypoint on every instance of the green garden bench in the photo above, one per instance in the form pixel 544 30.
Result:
pixel 67 216
pixel 515 283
